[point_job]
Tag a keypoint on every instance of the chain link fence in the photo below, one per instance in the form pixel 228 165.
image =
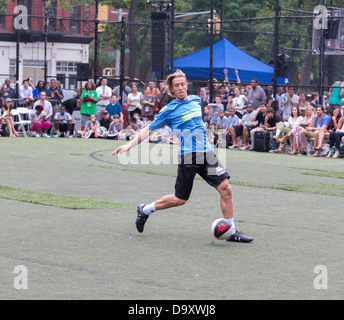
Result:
pixel 54 42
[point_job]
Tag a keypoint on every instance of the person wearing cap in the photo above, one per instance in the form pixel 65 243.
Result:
pixel 246 121
pixel 105 121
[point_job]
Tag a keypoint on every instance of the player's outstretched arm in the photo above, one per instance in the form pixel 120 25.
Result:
pixel 140 136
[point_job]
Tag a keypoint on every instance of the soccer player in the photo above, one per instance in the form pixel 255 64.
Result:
pixel 184 116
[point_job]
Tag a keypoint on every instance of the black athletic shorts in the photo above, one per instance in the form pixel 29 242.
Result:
pixel 205 164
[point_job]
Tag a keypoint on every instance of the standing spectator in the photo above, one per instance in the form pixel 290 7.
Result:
pixel 25 94
pixel 39 88
pixel 123 97
pixel 104 95
pixel 337 94
pixel 89 98
pixel 55 95
pixel 154 92
pixel 164 98
pixel 289 100
pixel 148 103
pixel 63 122
pixel 114 108
pixel 11 91
pixel 256 94
pixel 207 115
pixel 239 102
pixel 134 100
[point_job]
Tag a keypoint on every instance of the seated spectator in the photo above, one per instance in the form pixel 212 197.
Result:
pixel 134 125
pixel 127 134
pixel 72 103
pixel 25 94
pixel 63 122
pixel 237 131
pixel 6 117
pixel 136 116
pixel 221 129
pixel 294 134
pixel 92 125
pixel 148 103
pixel 207 115
pixel 258 120
pixel 47 108
pixel 314 100
pixel 319 123
pixel 39 123
pixel 303 103
pixel 115 128
pixel 105 121
pixel 163 135
pixel 284 128
pixel 39 88
pixel 232 120
pixel 214 109
pixel 4 94
pixel 336 137
pixel 229 104
pixel 115 108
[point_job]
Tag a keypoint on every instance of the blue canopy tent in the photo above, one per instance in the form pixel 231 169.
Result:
pixel 225 56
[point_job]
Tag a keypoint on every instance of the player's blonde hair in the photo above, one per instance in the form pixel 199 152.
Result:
pixel 171 77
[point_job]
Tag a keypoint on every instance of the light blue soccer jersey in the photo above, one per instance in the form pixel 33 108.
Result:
pixel 185 120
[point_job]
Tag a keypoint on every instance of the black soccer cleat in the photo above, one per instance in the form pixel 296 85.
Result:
pixel 141 218
pixel 239 237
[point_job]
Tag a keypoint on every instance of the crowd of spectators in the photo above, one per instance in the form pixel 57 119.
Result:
pixel 297 123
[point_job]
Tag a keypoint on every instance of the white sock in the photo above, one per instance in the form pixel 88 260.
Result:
pixel 149 208
pixel 68 133
pixel 57 132
pixel 233 224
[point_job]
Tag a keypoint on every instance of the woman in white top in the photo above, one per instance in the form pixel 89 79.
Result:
pixel 284 128
pixel 239 102
pixel 134 100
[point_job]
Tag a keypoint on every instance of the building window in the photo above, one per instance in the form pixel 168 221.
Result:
pixel 74 25
pixel 66 73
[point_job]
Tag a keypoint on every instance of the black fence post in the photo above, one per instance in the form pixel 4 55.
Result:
pixel 121 87
pixel 211 89
pixel 276 46
pixel 96 43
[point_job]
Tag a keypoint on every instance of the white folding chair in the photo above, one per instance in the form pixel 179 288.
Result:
pixel 19 122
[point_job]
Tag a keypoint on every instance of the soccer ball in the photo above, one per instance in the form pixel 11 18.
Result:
pixel 221 229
